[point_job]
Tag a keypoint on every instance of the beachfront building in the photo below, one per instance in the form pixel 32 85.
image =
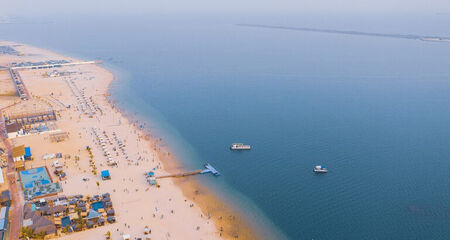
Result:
pixel 60 214
pixel 29 112
pixel 2 178
pixel 14 129
pixel 28 118
pixel 5 198
pixel 18 154
pixel 38 223
pixel 3 220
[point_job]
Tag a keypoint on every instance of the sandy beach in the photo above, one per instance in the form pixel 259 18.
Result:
pixel 178 209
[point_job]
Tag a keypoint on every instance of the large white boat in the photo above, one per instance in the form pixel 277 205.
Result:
pixel 320 169
pixel 239 146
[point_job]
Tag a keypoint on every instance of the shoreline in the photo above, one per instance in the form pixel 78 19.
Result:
pixel 220 213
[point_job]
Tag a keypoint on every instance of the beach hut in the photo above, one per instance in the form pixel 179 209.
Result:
pixel 111 219
pixel 108 204
pixel 81 204
pixel 101 221
pixel 73 201
pixel 110 212
pixel 105 175
pixel 89 224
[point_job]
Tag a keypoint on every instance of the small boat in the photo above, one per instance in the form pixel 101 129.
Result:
pixel 239 146
pixel 320 169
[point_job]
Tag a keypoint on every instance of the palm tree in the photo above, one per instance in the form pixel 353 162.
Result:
pixel 108 235
pixel 40 235
pixel 26 232
pixel 66 229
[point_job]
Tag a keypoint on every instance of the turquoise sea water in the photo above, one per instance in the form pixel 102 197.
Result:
pixel 375 111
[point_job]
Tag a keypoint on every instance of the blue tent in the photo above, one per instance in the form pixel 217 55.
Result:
pixel 105 175
pixel 27 153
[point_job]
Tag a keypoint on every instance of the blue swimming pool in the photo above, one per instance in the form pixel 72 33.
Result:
pixel 34 176
pixel 97 205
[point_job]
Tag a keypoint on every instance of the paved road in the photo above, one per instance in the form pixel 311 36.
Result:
pixel 15 219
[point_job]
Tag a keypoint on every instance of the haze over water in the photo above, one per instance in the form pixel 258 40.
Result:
pixel 375 111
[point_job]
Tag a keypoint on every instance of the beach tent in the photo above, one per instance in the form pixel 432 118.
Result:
pixel 93 214
pixel 27 153
pixel 105 175
pixel 48 156
pixel 56 164
pixel 152 181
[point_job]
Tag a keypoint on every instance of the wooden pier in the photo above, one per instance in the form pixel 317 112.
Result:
pixel 208 169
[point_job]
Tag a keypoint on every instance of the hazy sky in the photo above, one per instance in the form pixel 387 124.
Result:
pixel 48 7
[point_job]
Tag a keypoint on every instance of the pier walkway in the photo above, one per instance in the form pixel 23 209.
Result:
pixel 43 66
pixel 208 169
pixel 18 83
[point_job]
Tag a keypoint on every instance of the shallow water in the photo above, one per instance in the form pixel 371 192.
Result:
pixel 374 111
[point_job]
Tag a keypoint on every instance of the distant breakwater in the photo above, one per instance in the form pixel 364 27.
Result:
pixel 349 32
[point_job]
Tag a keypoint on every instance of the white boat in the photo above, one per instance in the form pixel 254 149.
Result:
pixel 320 169
pixel 239 146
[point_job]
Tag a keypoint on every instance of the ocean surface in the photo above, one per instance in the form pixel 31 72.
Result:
pixel 375 111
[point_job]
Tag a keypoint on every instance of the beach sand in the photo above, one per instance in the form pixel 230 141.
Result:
pixel 178 209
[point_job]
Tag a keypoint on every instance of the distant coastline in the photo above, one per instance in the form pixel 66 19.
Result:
pixel 350 32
